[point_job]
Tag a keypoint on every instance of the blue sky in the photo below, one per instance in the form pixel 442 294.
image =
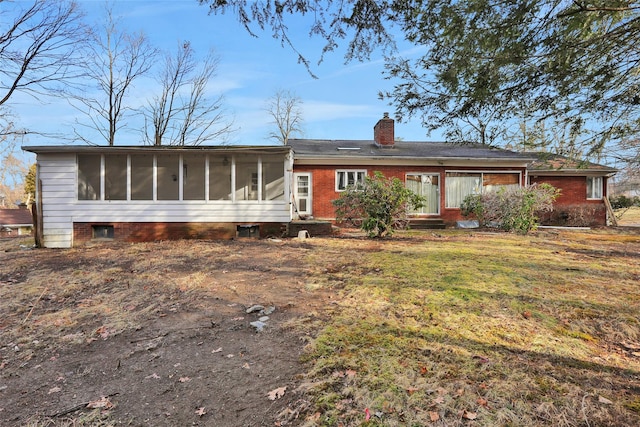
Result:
pixel 342 103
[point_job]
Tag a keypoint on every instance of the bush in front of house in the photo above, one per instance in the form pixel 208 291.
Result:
pixel 511 209
pixel 378 206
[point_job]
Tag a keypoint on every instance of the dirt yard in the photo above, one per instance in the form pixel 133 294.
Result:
pixel 155 334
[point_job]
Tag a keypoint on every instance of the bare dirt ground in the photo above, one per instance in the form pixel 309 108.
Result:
pixel 154 334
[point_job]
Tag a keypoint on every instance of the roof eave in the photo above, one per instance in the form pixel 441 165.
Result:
pixel 53 149
pixel 393 160
pixel 573 172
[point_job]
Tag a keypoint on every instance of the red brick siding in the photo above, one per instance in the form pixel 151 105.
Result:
pixel 572 206
pixel 150 231
pixel 323 181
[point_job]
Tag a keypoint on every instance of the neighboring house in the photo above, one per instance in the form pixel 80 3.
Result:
pixel 583 189
pixel 16 222
pixel 213 192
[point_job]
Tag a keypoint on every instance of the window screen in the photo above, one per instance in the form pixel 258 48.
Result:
pixel 89 176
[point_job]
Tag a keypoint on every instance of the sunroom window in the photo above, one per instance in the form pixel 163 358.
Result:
pixel 246 177
pixel 142 177
pixel 180 177
pixel 219 178
pixel 272 178
pixel 193 177
pixel 89 176
pixel 115 177
pixel 168 177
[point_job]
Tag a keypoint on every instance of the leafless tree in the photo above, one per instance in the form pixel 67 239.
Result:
pixel 12 169
pixel 184 113
pixel 285 107
pixel 40 48
pixel 116 60
pixel 37 46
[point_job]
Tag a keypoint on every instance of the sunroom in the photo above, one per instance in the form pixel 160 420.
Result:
pixel 157 193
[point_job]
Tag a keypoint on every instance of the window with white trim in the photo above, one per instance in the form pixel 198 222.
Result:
pixel 594 187
pixel 349 178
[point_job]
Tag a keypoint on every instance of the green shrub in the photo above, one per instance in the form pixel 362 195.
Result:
pixel 379 206
pixel 512 209
pixel 624 202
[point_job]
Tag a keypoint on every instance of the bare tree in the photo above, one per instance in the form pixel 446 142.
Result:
pixel 184 114
pixel 40 49
pixel 116 60
pixel 37 46
pixel 12 174
pixel 286 110
pixel 12 168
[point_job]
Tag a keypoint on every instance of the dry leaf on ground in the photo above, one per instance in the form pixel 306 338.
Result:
pixel 469 415
pixel 103 403
pixel 276 393
pixel 604 400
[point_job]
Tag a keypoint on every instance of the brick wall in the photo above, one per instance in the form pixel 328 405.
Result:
pixel 324 186
pixel 149 231
pixel 572 206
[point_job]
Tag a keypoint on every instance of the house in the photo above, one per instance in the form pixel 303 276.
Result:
pixel 16 222
pixel 583 190
pixel 443 173
pixel 137 193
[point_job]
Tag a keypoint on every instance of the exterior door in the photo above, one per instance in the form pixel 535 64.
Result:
pixel 302 194
pixel 427 186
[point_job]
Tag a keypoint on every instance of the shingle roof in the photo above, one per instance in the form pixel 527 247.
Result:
pixel 15 217
pixel 402 149
pixel 547 162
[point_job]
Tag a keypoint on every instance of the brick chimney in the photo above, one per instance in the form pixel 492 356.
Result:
pixel 383 133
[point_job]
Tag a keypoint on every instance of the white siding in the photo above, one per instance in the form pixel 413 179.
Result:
pixel 61 208
pixel 57 173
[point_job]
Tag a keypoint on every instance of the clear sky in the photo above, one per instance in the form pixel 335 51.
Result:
pixel 342 103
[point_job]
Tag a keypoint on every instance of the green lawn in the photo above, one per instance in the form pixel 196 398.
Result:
pixel 472 328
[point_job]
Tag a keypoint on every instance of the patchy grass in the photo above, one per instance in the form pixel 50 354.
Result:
pixel 490 329
pixel 455 328
pixel 629 216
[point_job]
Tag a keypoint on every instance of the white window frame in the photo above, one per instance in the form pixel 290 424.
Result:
pixel 595 190
pixel 359 177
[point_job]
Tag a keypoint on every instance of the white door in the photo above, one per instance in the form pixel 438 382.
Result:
pixel 302 194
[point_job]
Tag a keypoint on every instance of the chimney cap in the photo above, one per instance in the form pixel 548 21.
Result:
pixel 385 115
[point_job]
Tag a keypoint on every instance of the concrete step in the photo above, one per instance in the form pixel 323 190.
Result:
pixel 426 224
